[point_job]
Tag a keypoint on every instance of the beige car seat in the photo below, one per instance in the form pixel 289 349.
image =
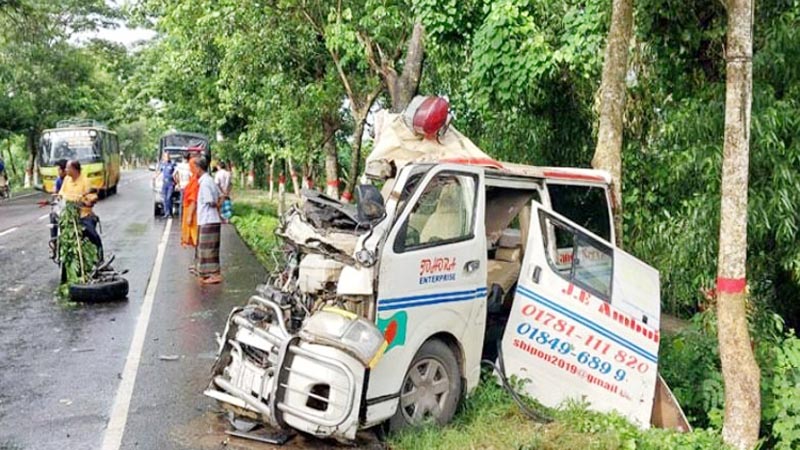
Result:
pixel 448 220
pixel 504 269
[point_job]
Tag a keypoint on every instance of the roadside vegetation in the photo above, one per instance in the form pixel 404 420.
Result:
pixel 255 219
pixel 491 419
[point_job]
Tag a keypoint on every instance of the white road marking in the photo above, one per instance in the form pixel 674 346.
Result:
pixel 112 440
pixel 43 217
pixel 8 231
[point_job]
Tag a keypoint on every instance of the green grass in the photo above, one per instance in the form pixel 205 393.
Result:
pixel 489 419
pixel 255 220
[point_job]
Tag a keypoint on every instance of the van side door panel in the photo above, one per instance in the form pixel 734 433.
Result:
pixel 432 278
pixel 584 321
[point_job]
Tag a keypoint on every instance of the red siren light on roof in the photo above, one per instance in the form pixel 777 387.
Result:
pixel 427 116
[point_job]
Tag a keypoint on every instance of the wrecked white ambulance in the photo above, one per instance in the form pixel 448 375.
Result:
pixel 383 311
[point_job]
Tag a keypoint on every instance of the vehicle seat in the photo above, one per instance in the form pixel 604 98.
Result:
pixel 504 269
pixel 448 219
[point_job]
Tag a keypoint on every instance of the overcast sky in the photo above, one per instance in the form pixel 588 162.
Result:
pixel 122 34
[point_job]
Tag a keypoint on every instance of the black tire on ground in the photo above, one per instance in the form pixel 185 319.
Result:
pixel 431 389
pixel 157 210
pixel 99 292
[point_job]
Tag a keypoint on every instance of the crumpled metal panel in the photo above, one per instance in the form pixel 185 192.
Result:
pixel 329 242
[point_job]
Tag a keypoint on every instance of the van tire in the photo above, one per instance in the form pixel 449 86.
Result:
pixel 439 380
pixel 104 291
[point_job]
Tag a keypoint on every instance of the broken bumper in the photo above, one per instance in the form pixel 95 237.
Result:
pixel 266 374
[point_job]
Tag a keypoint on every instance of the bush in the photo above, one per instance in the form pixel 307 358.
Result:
pixel 256 223
pixel 489 418
pixel 690 364
pixel 779 359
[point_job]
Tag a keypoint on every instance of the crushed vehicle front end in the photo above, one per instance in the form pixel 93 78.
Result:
pixel 295 356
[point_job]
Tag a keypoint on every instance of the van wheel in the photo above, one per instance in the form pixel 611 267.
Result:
pixel 431 389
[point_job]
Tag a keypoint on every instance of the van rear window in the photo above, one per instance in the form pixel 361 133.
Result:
pixel 587 206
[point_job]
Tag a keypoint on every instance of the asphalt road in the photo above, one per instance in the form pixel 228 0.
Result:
pixel 125 375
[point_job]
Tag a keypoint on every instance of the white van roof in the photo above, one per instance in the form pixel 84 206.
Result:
pixel 572 174
pixel 397 144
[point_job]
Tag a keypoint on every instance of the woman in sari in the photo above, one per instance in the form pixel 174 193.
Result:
pixel 189 229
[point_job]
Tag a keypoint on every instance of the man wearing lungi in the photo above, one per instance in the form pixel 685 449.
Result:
pixel 208 220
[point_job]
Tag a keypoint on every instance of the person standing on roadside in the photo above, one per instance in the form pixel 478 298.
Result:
pixel 223 181
pixel 189 216
pixel 207 255
pixel 168 175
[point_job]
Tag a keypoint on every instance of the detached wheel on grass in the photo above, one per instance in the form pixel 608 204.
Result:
pixel 105 291
pixel 431 389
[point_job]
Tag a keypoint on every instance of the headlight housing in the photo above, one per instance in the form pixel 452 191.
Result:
pixel 346 331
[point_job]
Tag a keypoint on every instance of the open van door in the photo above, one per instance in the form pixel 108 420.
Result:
pixel 584 321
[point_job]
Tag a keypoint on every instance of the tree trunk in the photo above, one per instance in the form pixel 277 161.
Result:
pixel 251 176
pixel 331 161
pixel 270 180
pixel 608 153
pixel 281 193
pixel 307 182
pixel 403 88
pixel 740 372
pixel 355 156
pixel 30 168
pixel 293 176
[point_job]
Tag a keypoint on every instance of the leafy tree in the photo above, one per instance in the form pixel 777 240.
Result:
pixel 43 76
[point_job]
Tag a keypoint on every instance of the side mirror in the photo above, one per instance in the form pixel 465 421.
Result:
pixel 151 167
pixel 370 207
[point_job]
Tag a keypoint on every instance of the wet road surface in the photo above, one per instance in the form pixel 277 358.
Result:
pixel 62 365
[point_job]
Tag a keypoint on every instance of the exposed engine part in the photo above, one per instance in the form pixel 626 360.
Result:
pixel 317 272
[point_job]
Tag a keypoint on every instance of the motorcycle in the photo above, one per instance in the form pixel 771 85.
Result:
pixel 84 278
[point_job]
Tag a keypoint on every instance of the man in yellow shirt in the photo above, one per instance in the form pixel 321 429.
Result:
pixel 76 189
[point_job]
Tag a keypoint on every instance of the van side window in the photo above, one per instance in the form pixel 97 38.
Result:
pixel 443 214
pixel 578 258
pixel 587 206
